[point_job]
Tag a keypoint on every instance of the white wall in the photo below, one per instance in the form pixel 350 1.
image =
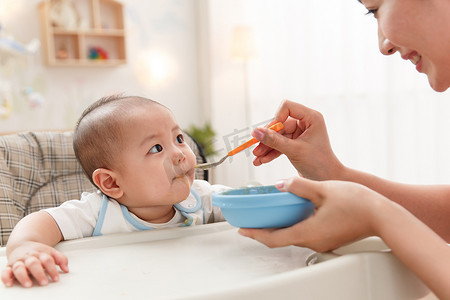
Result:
pixel 157 26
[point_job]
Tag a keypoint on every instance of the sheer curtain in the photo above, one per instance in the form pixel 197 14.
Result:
pixel 381 114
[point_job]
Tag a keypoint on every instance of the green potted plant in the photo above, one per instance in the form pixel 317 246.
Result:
pixel 204 136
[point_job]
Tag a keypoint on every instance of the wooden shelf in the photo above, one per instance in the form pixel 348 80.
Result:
pixel 99 32
pixel 87 62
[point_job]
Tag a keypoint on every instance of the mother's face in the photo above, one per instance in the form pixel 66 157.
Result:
pixel 420 31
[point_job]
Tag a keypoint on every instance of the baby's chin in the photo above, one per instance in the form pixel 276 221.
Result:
pixel 185 196
pixel 184 185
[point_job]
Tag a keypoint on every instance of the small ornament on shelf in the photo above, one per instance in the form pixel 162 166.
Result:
pixel 63 13
pixel 62 53
pixel 98 53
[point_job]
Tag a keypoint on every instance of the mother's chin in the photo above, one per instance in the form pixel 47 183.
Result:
pixel 438 85
pixel 439 89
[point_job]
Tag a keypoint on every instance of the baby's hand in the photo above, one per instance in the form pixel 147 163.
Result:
pixel 33 260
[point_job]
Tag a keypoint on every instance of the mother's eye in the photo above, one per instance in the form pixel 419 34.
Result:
pixel 180 138
pixel 155 149
pixel 372 12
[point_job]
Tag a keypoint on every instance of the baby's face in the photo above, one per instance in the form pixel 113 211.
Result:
pixel 155 166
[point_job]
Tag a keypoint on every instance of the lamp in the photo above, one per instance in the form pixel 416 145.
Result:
pixel 154 68
pixel 243 49
pixel 243 45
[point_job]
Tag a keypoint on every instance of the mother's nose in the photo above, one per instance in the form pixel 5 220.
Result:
pixel 385 45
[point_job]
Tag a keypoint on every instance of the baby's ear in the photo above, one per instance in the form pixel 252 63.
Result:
pixel 106 180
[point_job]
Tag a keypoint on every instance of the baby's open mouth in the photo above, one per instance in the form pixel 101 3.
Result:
pixel 183 174
pixel 179 176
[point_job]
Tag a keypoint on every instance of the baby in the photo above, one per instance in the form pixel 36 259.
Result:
pixel 133 150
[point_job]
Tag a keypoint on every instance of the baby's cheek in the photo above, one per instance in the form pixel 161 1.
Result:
pixel 192 159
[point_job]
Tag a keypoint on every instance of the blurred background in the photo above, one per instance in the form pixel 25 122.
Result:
pixel 224 66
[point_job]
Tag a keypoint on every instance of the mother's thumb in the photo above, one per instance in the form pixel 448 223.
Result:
pixel 273 139
pixel 302 187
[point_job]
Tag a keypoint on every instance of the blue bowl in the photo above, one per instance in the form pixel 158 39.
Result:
pixel 262 207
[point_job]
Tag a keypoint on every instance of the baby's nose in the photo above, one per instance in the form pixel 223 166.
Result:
pixel 178 157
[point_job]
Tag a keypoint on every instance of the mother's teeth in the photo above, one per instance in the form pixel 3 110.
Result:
pixel 415 59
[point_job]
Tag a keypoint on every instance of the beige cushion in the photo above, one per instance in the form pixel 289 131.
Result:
pixel 39 170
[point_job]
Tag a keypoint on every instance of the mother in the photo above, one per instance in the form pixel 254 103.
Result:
pixel 351 204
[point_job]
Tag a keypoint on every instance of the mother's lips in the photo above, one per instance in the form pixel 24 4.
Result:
pixel 414 57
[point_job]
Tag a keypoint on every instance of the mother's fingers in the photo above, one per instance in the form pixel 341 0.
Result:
pixel 272 238
pixel 261 149
pixel 307 233
pixel 289 108
pixel 269 155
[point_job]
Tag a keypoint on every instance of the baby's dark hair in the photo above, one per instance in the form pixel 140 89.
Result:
pixel 98 133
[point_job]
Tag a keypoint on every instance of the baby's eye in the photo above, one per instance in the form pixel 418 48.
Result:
pixel 180 138
pixel 155 149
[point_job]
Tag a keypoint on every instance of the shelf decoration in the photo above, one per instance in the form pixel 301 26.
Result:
pixel 83 33
pixel 63 13
pixel 62 52
pixel 98 53
pixel 10 46
pixel 15 64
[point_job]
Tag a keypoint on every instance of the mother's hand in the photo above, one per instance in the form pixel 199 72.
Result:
pixel 304 141
pixel 343 214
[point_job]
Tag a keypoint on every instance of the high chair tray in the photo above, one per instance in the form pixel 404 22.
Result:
pixel 214 262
